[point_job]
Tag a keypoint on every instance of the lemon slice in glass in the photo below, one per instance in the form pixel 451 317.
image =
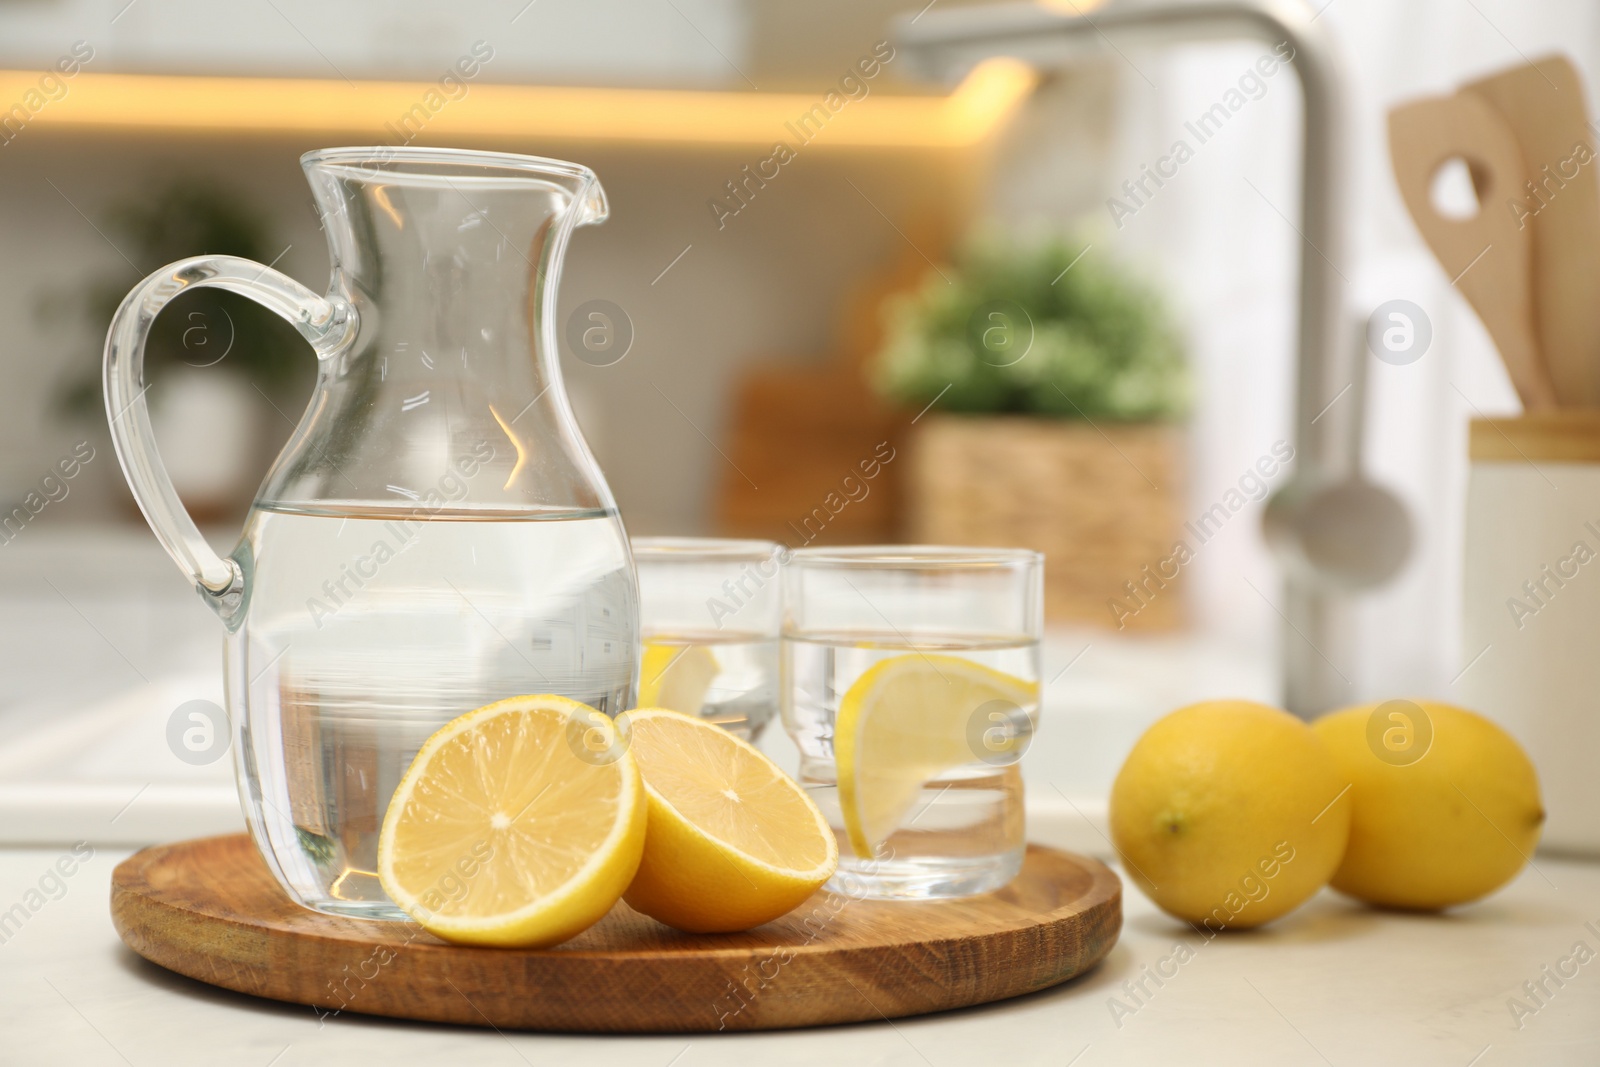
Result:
pixel 733 842
pixel 676 676
pixel 518 824
pixel 904 722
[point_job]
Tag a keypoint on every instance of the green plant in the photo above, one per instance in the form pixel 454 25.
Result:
pixel 1044 329
pixel 202 327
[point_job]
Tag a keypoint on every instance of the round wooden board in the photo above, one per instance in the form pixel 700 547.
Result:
pixel 209 909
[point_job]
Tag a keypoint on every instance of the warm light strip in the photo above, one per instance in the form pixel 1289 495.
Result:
pixel 1072 7
pixel 374 109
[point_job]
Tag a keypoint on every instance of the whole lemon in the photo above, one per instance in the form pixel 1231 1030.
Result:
pixel 1446 804
pixel 1229 814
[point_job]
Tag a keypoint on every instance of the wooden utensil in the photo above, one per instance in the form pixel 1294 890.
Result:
pixel 209 909
pixel 1486 256
pixel 1543 104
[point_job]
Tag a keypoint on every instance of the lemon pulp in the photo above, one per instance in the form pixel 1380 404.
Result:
pixel 733 842
pixel 676 676
pixel 507 830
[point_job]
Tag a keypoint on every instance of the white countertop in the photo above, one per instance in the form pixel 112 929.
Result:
pixel 1333 983
pixel 101 642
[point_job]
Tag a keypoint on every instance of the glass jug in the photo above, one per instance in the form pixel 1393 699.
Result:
pixel 436 534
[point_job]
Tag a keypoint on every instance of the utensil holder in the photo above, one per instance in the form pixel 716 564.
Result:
pixel 1531 604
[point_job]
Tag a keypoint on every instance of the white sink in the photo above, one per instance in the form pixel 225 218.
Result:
pixel 102 643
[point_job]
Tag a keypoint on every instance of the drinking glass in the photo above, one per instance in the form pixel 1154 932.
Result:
pixel 709 613
pixel 910 686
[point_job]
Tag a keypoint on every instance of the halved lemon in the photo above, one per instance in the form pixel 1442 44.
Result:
pixel 676 676
pixel 518 824
pixel 733 842
pixel 907 720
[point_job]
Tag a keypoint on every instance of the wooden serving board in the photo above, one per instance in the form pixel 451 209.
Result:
pixel 209 909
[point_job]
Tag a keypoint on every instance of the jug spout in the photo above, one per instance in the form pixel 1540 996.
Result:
pixel 435 189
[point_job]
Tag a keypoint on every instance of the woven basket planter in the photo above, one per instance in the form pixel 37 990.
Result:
pixel 1101 501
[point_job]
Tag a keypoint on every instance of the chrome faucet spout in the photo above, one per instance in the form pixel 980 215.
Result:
pixel 944 44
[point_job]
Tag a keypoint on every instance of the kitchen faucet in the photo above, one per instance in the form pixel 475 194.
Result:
pixel 1315 610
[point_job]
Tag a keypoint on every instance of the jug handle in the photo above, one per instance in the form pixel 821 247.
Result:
pixel 328 323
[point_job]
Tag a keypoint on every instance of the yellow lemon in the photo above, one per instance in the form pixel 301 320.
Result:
pixel 733 842
pixel 1446 803
pixel 1229 813
pixel 907 720
pixel 676 676
pixel 518 824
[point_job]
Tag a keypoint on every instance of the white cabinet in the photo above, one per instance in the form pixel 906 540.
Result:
pixel 676 44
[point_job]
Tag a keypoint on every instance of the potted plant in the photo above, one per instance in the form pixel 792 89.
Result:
pixel 217 363
pixel 1050 383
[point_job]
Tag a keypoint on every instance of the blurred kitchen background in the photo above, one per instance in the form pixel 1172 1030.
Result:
pixel 778 333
